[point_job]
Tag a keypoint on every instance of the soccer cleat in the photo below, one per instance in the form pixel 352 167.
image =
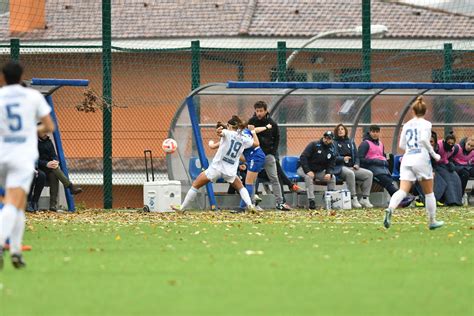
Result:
pixel 177 208
pixel 365 203
pixel 295 188
pixel 355 203
pixel 1 258
pixel 257 199
pixel 251 209
pixel 387 221
pixel 312 205
pixel 438 203
pixel 259 209
pixel 419 203
pixel 283 207
pixel 17 261
pixel 435 224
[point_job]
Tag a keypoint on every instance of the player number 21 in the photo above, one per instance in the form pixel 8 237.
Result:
pixel 412 138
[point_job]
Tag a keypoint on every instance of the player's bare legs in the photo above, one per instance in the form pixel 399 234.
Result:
pixel 200 181
pixel 12 223
pixel 397 197
pixel 430 204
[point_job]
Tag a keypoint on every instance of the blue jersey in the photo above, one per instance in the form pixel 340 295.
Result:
pixel 254 156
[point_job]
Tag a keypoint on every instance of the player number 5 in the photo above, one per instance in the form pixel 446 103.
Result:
pixel 14 119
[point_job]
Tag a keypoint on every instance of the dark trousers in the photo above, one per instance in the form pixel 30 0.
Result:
pixel 39 180
pixel 464 172
pixel 54 176
pixel 386 181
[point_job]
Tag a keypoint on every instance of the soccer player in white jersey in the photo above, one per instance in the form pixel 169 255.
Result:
pixel 416 164
pixel 20 110
pixel 224 165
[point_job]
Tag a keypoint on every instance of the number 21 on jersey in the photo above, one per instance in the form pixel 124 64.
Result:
pixel 412 138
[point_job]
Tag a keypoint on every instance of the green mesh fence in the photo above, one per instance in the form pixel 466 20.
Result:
pixel 156 62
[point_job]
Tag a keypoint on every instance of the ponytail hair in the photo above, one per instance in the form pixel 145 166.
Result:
pixel 419 107
pixel 237 122
pixel 450 136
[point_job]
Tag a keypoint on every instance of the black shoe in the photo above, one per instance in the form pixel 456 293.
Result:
pixel 30 207
pixel 1 257
pixel 74 189
pixel 17 261
pixel 283 207
pixel 53 209
pixel 312 205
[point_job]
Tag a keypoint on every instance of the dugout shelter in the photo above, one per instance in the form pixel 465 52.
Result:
pixel 304 110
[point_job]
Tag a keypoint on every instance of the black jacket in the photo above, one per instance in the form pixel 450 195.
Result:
pixel 346 147
pixel 318 157
pixel 46 151
pixel 269 139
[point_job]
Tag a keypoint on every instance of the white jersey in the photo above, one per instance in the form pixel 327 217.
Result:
pixel 232 144
pixel 20 110
pixel 415 140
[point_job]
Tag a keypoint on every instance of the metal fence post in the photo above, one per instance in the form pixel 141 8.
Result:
pixel 15 49
pixel 107 94
pixel 448 77
pixel 281 62
pixel 366 54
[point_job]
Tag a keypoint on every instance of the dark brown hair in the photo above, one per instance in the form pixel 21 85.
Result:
pixel 336 130
pixel 260 105
pixel 236 121
pixel 419 106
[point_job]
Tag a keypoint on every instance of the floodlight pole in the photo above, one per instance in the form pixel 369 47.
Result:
pixel 374 30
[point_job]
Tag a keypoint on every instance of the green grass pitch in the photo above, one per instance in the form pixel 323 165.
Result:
pixel 273 263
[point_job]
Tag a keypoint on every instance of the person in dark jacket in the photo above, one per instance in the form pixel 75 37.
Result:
pixel 269 140
pixel 49 164
pixel 446 184
pixel 348 163
pixel 37 186
pixel 318 161
pixel 372 157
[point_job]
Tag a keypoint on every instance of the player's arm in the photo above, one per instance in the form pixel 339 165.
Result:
pixel 261 128
pixel 425 142
pixel 403 140
pixel 254 132
pixel 214 145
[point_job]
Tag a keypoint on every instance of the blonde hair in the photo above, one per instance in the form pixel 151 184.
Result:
pixel 419 107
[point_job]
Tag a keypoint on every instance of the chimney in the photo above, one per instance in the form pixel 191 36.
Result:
pixel 27 15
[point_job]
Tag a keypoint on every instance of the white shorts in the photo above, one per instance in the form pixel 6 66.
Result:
pixel 213 174
pixel 416 173
pixel 17 174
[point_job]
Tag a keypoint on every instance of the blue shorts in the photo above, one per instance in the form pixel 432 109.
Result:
pixel 256 161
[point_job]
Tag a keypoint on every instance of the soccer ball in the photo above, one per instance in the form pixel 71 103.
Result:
pixel 169 145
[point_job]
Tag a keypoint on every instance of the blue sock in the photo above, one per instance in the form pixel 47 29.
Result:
pixel 249 188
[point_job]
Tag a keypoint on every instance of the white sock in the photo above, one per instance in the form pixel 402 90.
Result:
pixel 244 194
pixel 430 205
pixel 16 236
pixel 7 222
pixel 396 198
pixel 190 196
